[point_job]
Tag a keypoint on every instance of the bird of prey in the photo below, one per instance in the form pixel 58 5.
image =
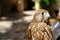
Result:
pixel 38 29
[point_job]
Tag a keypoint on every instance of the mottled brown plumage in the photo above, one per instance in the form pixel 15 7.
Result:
pixel 38 29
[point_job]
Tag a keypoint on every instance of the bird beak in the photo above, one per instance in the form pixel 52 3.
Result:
pixel 48 15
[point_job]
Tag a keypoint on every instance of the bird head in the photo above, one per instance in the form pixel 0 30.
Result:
pixel 41 15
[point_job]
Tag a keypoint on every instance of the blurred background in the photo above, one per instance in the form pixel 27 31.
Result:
pixel 16 15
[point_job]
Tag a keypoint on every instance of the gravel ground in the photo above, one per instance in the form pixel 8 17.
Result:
pixel 17 32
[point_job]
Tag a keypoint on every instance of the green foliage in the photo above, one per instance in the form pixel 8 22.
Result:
pixel 46 1
pixel 45 4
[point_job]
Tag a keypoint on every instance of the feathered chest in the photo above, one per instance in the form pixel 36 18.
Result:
pixel 38 30
pixel 38 26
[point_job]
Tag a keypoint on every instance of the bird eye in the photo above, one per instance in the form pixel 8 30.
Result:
pixel 42 13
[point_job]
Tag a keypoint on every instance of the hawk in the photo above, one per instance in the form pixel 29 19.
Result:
pixel 38 29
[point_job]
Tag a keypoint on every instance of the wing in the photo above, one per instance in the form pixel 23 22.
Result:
pixel 49 32
pixel 28 34
pixel 29 31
